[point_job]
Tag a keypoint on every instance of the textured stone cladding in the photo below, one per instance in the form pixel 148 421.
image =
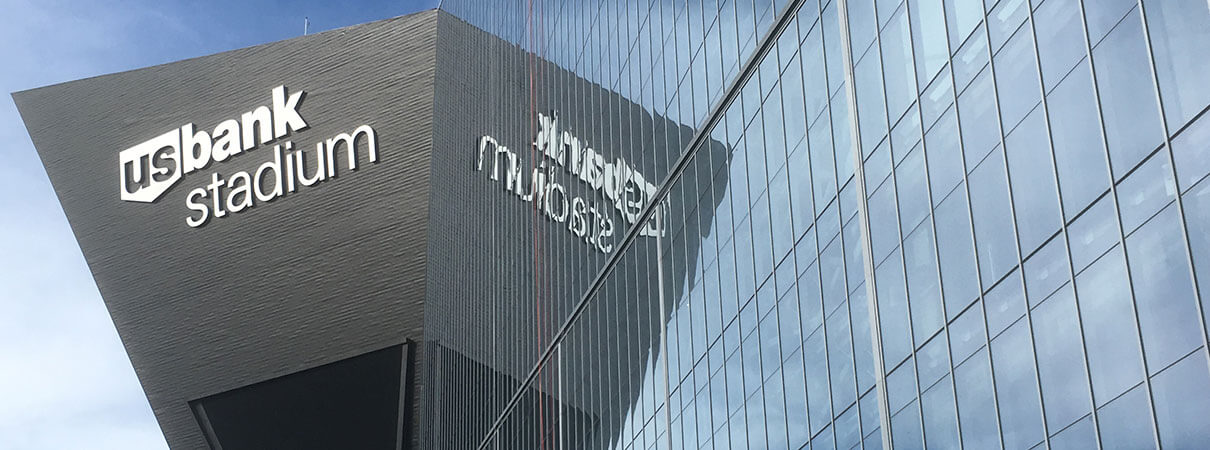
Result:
pixel 331 271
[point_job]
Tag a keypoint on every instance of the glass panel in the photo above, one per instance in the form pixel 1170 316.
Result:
pixel 940 423
pixel 1163 290
pixel 1104 15
pixel 1035 197
pixel 840 360
pixel 1017 388
pixel 1046 270
pixel 1197 218
pixel 1093 233
pixel 1079 150
pixel 980 131
pixel 1191 150
pixel 963 17
pixel 1060 38
pixel 1126 422
pixel 975 398
pixel 871 113
pixel 924 293
pixel 1109 331
pixel 993 219
pixel 1017 76
pixel 897 63
pixel 1145 191
pixel 1182 403
pixel 932 362
pixel 958 276
pixel 967 333
pixel 912 191
pixel 796 400
pixel 1061 360
pixel 1127 95
pixel 1004 18
pixel 1005 304
pixel 893 312
pixel 905 429
pixel 1079 436
pixel 928 28
pixel 884 234
pixel 970 59
pixel 1180 42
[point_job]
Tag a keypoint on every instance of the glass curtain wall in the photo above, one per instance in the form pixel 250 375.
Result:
pixel 941 223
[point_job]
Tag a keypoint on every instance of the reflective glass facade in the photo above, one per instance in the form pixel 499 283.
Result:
pixel 907 223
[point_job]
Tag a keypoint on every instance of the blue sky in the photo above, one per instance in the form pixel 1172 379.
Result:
pixel 65 380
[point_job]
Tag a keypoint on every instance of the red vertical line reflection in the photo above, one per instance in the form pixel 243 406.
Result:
pixel 535 235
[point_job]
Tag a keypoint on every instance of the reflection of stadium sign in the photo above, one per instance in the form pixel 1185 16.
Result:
pixel 618 183
pixel 149 169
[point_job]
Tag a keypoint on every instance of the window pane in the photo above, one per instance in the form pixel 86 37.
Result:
pixel 884 234
pixel 1079 150
pixel 1127 95
pixel 970 59
pixel 1061 360
pixel 1104 14
pixel 932 362
pixel 1046 270
pixel 840 360
pixel 924 294
pixel 928 26
pixel 912 191
pixel 963 17
pixel 1126 422
pixel 1197 218
pixel 893 312
pixel 871 113
pixel 1017 388
pixel 1093 233
pixel 1145 191
pixel 905 429
pixel 1035 198
pixel 974 384
pixel 1182 403
pixel 1163 290
pixel 864 350
pixel 1017 76
pixel 1060 38
pixel 818 401
pixel 967 334
pixel 1180 42
pixel 1005 304
pixel 1004 18
pixel 980 131
pixel 957 262
pixel 897 62
pixel 1079 436
pixel 940 423
pixel 993 219
pixel 1191 150
pixel 1109 330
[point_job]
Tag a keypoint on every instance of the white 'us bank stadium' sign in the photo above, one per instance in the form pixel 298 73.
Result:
pixel 149 169
pixel 616 182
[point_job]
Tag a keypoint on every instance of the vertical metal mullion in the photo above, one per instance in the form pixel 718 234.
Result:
pixel 932 220
pixel 1012 204
pixel 1096 89
pixel 965 186
pixel 823 307
pixel 894 180
pixel 1064 237
pixel 863 222
pixel 1180 205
